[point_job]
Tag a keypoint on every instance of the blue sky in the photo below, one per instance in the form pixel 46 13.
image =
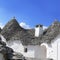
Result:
pixel 31 12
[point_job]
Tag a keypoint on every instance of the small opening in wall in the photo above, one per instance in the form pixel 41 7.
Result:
pixel 0 39
pixel 25 50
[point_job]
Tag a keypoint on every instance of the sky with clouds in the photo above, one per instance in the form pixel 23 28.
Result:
pixel 30 12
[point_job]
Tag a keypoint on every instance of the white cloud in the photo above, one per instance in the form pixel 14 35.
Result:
pixel 45 27
pixel 24 25
pixel 1 25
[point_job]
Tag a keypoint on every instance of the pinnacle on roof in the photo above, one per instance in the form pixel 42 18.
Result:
pixel 13 19
pixel 56 22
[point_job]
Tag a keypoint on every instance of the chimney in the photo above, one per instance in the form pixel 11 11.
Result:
pixel 38 30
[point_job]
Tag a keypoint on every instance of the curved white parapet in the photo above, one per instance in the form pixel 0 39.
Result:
pixel 44 44
pixel 3 39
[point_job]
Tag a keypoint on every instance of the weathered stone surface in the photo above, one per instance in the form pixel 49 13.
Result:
pixel 10 28
pixel 52 32
pixel 17 56
pixel 0 30
pixel 8 52
pixel 13 31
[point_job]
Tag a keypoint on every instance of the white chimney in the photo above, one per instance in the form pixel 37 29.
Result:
pixel 38 30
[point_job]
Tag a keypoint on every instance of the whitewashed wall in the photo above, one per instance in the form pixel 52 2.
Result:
pixel 32 51
pixel 36 51
pixel 38 31
pixel 54 50
pixel 1 57
pixel 3 39
pixel 16 45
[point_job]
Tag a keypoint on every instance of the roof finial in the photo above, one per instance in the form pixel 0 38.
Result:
pixel 56 19
pixel 55 22
pixel 14 17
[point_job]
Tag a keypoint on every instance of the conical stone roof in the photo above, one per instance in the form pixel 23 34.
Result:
pixel 10 28
pixel 13 31
pixel 52 32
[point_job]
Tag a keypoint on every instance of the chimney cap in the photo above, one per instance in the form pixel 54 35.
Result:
pixel 39 25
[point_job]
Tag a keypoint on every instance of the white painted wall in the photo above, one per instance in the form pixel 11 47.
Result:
pixel 37 51
pixel 38 31
pixel 1 57
pixel 16 45
pixel 56 48
pixel 51 52
pixel 48 49
pixel 54 51
pixel 32 51
pixel 3 39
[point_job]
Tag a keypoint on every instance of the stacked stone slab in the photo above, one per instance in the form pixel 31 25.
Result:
pixel 0 30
